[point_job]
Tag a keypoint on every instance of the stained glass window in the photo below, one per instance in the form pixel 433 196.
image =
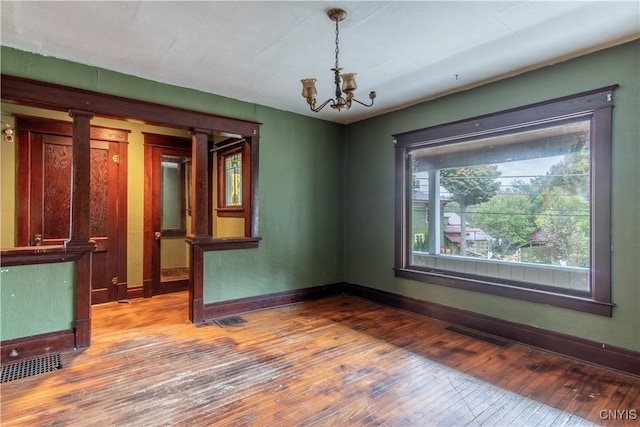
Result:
pixel 233 180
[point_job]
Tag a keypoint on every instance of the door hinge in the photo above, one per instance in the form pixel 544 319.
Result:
pixel 116 159
pixel 114 280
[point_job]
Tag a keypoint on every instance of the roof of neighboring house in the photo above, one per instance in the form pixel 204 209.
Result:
pixel 452 230
pixel 419 196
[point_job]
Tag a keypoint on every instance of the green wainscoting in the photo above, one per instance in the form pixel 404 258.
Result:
pixel 36 299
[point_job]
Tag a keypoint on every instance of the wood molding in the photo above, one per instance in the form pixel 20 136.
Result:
pixel 28 255
pixel 36 346
pixel 135 292
pixel 155 146
pixel 64 98
pixel 579 348
pixel 225 308
pixel 223 244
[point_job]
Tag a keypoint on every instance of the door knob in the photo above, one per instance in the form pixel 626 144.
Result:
pixel 158 235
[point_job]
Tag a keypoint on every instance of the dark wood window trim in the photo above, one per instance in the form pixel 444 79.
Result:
pixel 595 105
pixel 224 151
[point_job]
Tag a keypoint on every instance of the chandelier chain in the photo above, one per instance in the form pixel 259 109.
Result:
pixel 346 82
pixel 337 44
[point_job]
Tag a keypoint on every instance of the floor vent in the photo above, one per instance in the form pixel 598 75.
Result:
pixel 488 338
pixel 224 322
pixel 28 368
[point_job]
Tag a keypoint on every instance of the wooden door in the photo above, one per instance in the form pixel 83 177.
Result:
pixel 46 203
pixel 167 214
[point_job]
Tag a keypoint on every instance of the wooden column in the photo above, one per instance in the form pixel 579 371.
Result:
pixel 81 178
pixel 83 301
pixel 196 284
pixel 201 211
pixel 80 231
pixel 253 214
pixel 200 220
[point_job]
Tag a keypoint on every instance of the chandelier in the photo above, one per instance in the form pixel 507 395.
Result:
pixel 309 91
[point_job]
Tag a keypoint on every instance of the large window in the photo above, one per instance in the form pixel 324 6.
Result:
pixel 515 203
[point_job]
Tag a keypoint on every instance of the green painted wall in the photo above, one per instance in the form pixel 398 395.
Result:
pixel 370 193
pixel 326 191
pixel 36 299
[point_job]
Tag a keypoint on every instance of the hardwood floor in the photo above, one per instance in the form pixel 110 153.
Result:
pixel 332 362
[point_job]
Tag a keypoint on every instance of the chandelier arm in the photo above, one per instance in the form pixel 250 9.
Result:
pixel 324 104
pixel 362 103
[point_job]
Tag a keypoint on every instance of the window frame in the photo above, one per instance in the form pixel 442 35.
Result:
pixel 596 106
pixel 223 151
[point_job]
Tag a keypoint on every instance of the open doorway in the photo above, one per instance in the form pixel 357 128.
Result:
pixel 167 213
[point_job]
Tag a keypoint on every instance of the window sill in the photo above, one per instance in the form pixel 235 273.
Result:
pixel 572 302
pixel 231 212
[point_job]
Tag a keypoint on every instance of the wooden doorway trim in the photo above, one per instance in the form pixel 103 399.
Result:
pixel 151 261
pixel 62 98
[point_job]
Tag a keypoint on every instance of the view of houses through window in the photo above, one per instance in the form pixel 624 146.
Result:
pixel 508 204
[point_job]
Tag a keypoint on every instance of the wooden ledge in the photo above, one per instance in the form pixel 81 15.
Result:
pixel 28 255
pixel 212 244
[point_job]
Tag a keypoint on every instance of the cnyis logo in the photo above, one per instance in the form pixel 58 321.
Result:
pixel 619 414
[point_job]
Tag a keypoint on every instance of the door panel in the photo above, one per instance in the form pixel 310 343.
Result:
pixel 53 215
pixel 103 221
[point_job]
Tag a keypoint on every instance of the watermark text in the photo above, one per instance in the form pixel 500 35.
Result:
pixel 619 414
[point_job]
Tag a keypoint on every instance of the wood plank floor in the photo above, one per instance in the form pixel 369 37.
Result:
pixel 333 362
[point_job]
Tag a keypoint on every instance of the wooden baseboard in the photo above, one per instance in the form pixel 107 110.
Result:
pixel 242 305
pixel 593 352
pixel 36 346
pixel 134 292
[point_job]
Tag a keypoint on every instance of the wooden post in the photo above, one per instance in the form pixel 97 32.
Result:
pixel 81 179
pixel 80 230
pixel 201 211
pixel 200 220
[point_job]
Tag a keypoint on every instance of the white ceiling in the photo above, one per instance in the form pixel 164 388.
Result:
pixel 407 51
